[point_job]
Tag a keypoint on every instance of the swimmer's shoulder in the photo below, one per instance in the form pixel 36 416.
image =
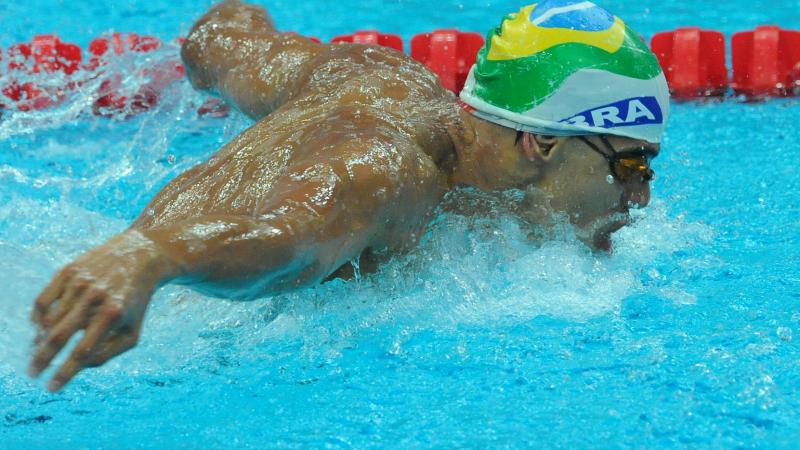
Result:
pixel 369 65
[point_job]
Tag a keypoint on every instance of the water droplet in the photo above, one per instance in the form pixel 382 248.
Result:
pixel 785 334
pixel 610 179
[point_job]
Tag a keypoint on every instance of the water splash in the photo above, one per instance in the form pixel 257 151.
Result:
pixel 76 96
pixel 470 270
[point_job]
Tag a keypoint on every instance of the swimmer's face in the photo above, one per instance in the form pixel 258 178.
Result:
pixel 578 181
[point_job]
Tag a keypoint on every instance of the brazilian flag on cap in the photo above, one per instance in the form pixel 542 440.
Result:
pixel 569 67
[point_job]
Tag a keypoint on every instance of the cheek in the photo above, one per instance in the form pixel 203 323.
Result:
pixel 601 197
pixel 585 194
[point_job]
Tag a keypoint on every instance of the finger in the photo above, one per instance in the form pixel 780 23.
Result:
pixel 56 340
pixel 64 305
pixel 113 348
pixel 66 373
pixel 41 336
pixel 82 354
pixel 56 316
pixel 48 296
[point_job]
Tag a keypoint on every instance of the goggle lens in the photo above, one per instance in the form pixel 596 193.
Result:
pixel 632 168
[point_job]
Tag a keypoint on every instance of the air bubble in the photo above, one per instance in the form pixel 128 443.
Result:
pixel 610 179
pixel 785 334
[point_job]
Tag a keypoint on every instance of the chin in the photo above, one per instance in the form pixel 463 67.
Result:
pixel 603 243
pixel 601 235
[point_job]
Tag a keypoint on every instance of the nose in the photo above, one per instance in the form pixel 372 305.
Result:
pixel 636 194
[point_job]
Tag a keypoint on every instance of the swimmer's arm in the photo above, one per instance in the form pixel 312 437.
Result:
pixel 296 243
pixel 235 51
pixel 324 214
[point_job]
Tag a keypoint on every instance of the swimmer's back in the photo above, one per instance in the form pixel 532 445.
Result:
pixel 236 51
pixel 337 106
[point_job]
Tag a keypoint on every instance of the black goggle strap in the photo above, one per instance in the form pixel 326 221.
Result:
pixel 608 145
pixel 644 152
pixel 609 158
pixel 594 147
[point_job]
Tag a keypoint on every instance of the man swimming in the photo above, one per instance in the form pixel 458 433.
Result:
pixel 353 149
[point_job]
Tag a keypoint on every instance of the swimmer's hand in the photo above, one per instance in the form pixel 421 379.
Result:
pixel 104 292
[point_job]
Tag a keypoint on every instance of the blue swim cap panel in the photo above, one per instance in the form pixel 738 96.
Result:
pixel 579 15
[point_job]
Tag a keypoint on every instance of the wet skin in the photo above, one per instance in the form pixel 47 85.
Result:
pixel 352 150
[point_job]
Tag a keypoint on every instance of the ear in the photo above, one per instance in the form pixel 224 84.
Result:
pixel 538 148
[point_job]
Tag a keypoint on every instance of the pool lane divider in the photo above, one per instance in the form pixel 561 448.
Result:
pixel 449 54
pixel 110 102
pixel 372 38
pixel 43 56
pixel 693 61
pixel 766 63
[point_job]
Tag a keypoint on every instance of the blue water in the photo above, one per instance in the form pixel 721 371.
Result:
pixel 687 336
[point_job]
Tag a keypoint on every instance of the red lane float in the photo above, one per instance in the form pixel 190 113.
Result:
pixel 766 62
pixel 214 107
pixel 449 54
pixel 110 101
pixel 372 38
pixel 693 61
pixel 310 38
pixel 45 54
pixel 119 43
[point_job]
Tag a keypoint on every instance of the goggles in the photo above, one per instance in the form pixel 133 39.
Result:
pixel 626 166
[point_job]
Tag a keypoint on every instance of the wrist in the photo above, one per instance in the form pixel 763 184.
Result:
pixel 154 266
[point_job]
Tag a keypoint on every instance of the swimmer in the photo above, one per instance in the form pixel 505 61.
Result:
pixel 353 148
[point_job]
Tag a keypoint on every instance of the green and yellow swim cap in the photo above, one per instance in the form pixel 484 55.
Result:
pixel 569 67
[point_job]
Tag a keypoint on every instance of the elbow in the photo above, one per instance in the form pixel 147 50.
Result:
pixel 192 56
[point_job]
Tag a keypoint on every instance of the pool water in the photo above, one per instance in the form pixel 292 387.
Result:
pixel 687 335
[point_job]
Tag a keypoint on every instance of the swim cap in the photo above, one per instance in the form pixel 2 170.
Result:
pixel 568 67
